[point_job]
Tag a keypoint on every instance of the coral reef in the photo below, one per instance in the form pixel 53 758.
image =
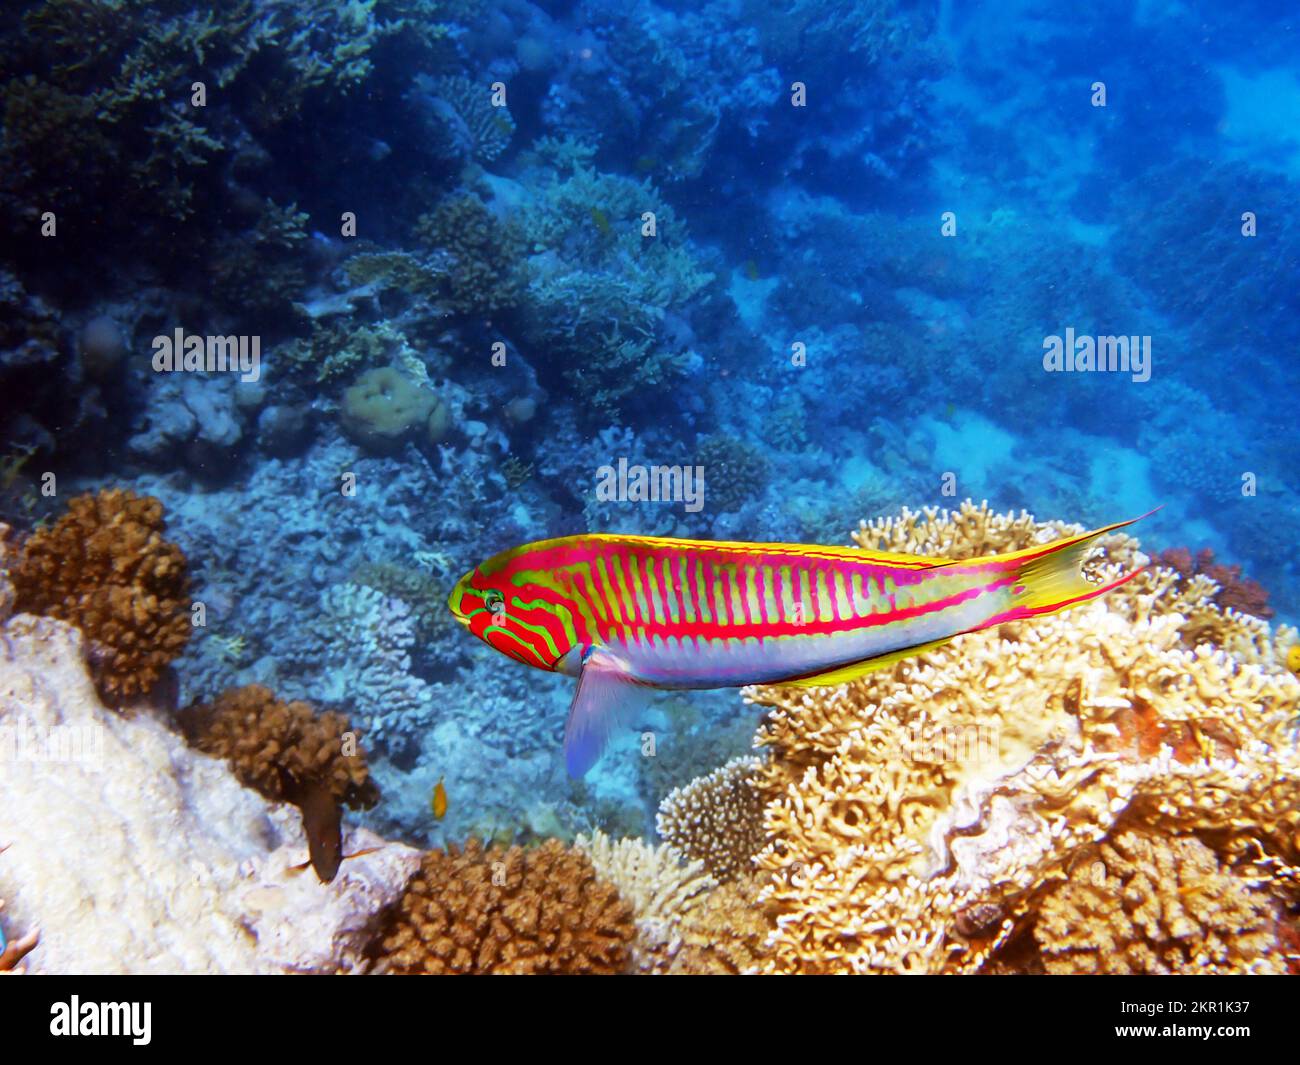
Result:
pixel 1235 591
pixel 369 636
pixel 105 567
pixel 686 922
pixel 918 816
pixel 734 471
pixel 514 911
pixel 140 855
pixel 288 753
pixel 1146 904
pixel 478 254
pixel 716 819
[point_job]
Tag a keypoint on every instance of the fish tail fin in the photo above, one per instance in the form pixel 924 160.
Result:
pixel 1049 577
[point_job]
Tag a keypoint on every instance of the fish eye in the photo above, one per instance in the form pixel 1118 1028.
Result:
pixel 493 600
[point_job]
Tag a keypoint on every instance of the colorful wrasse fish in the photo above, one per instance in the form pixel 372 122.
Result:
pixel 627 614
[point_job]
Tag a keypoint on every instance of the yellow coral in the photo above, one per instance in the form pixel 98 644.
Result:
pixel 917 815
pixel 1145 904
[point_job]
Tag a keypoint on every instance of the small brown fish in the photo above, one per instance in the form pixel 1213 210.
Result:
pixel 602 221
pixel 322 822
pixel 438 804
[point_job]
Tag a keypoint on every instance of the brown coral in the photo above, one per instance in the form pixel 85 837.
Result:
pixel 511 911
pixel 1234 592
pixel 279 748
pixel 105 568
pixel 289 753
pixel 1145 904
pixel 716 819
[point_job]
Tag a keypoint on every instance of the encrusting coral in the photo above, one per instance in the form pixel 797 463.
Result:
pixel 105 568
pixel 716 819
pixel 288 753
pixel 920 816
pixel 511 911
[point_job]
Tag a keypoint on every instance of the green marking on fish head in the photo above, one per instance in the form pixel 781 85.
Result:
pixel 489 603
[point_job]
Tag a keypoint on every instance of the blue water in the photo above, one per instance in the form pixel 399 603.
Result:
pixel 824 250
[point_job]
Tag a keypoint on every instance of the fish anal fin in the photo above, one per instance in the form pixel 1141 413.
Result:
pixel 854 670
pixel 607 696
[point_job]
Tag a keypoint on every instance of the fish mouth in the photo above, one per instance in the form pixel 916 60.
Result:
pixel 457 596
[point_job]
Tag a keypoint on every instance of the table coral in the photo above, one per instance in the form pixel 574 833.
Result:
pixel 105 567
pixel 716 819
pixel 512 911
pixel 919 816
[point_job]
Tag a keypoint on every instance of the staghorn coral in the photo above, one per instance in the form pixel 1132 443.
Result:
pixel 280 749
pixel 105 567
pixel 716 819
pixel 919 816
pixel 512 911
pixel 1145 904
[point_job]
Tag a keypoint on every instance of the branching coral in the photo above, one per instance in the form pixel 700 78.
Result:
pixel 661 889
pixel 600 284
pixel 1145 904
pixel 716 819
pixel 368 637
pixel 919 816
pixel 686 922
pixel 470 125
pixel 105 567
pixel 1235 591
pixel 480 256
pixel 507 911
pixel 734 471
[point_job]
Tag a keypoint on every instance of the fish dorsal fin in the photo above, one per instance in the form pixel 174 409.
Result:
pixel 854 670
pixel 607 695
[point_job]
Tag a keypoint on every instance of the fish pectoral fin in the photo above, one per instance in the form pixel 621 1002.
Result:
pixel 606 697
pixel 854 670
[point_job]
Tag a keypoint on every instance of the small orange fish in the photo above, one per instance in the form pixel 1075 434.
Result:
pixel 1293 658
pixel 439 802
